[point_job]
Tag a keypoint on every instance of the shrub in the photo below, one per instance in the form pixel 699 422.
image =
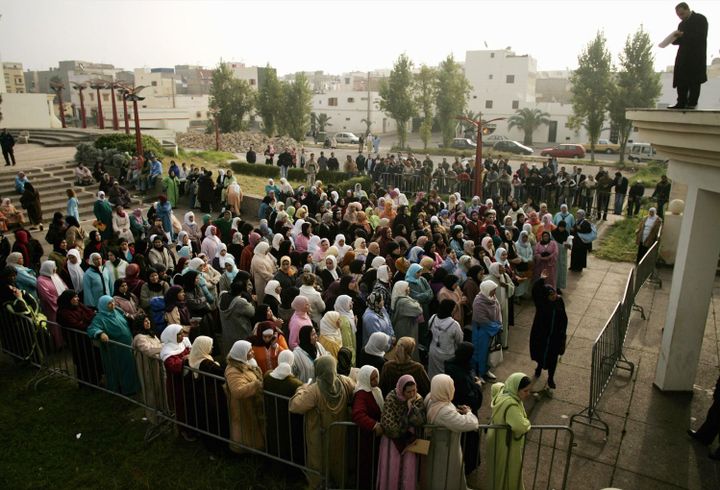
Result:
pixel 126 143
pixel 86 154
pixel 294 174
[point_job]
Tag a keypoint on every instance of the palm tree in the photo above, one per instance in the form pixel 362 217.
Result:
pixel 468 127
pixel 528 120
pixel 367 123
pixel 322 121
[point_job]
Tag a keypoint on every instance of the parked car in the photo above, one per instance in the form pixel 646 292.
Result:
pixel 510 146
pixel 604 146
pixel 641 152
pixel 347 138
pixel 566 150
pixel 491 139
pixel 462 144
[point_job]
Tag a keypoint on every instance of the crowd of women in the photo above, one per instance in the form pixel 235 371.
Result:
pixel 356 307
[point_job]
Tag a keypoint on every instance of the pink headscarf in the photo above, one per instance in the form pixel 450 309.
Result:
pixel 400 385
pixel 254 238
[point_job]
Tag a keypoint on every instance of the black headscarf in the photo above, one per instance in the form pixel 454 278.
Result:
pixel 450 280
pixel 558 235
pixel 287 295
pixel 463 354
pixel 445 308
pixel 65 298
pixel 261 313
pixel 189 280
pixel 304 341
pixel 116 289
pixel 172 301
pixel 344 361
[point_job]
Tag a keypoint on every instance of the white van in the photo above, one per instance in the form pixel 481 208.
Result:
pixel 641 152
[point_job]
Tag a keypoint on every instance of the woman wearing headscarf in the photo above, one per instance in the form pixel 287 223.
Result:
pixel 153 288
pixel 284 430
pixel 49 289
pixel 229 273
pixel 504 294
pixel 299 319
pixel 306 353
pixel 114 267
pixel 209 400
pixel 25 279
pixel 159 254
pixel 110 324
pixel 383 287
pixel 330 273
pixel 75 270
pixel 262 268
pixel 236 315
pixel 330 334
pixel 126 302
pixel 560 235
pixel 191 227
pixel 486 323
pixel 75 318
pixel 272 295
pixel 524 268
pixel 647 233
pixel 30 200
pixel 580 248
pixel 373 353
pixel 324 402
pixel 13 216
pixel 406 312
pixel 95 283
pixel 402 415
pixel 317 305
pixel 244 390
pixel 421 292
pixel 174 354
pixel 446 336
pixel 268 342
pixel 444 463
pixel 366 411
pixel 451 291
pixel 103 214
pixel 211 243
pixel 146 349
pixel 546 258
pixel 376 318
pixel 176 308
pixel 505 451
pixel 549 329
pixel 401 365
pixel 348 324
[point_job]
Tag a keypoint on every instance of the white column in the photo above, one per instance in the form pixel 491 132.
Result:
pixel 692 283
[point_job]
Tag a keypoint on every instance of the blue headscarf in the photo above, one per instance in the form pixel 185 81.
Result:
pixel 411 275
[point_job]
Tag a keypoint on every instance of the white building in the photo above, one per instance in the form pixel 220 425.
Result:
pixel 347 110
pixel 709 91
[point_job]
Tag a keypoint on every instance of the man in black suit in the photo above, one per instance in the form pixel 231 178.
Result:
pixel 691 60
pixel 7 142
pixel 251 156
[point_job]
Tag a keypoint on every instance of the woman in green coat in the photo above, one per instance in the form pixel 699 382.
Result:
pixel 171 184
pixel 103 213
pixel 504 461
pixel 118 362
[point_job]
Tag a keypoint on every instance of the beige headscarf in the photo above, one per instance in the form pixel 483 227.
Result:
pixel 442 390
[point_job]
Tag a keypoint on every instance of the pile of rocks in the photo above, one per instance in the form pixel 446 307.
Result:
pixel 237 142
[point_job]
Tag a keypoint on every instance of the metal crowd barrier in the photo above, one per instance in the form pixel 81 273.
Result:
pixel 647 268
pixel 546 455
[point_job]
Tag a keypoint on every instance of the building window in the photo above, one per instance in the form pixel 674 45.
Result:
pixel 474 96
pixel 510 79
pixel 347 81
pixel 351 100
pixel 332 101
pixel 515 104
pixel 154 84
pixel 347 118
pixel 488 104
pixel 198 114
pixel 490 77
pixel 106 97
pixel 92 97
pixel 252 82
pixel 492 55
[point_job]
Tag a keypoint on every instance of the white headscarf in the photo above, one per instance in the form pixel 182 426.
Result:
pixel 285 362
pixel 76 272
pixel 270 288
pixel 278 238
pixel 220 256
pixel 200 351
pixel 399 290
pixel 377 262
pixel 342 306
pixel 170 345
pixel 181 235
pixel 329 326
pixel 196 263
pixel 363 384
pixel 333 272
pixel 186 219
pixel 383 274
pixel 377 344
pixel 101 196
pixel 239 352
pixel 313 244
pixel 342 249
pixel 487 287
pixel 48 269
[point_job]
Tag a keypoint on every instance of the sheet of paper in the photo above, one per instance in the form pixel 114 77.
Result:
pixel 668 40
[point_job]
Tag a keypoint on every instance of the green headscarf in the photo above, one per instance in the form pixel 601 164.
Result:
pixel 328 381
pixel 206 218
pixel 291 211
pixel 508 391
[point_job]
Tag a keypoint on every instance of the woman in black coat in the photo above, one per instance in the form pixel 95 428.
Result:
pixel 206 192
pixel 580 249
pixel 549 329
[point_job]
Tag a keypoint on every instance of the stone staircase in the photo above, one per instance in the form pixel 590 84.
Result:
pixel 51 181
pixel 56 137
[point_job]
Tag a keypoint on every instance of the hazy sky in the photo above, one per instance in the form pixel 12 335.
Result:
pixel 333 35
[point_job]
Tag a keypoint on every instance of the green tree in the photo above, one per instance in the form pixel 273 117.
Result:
pixel 592 88
pixel 636 84
pixel 528 120
pixel 425 89
pixel 396 96
pixel 453 90
pixel 233 99
pixel 270 102
pixel 294 115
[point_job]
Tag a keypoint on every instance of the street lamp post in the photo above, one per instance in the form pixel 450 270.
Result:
pixel 99 85
pixel 80 87
pixel 58 88
pixel 480 124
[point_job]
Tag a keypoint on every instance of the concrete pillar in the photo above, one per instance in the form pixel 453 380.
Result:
pixel 692 283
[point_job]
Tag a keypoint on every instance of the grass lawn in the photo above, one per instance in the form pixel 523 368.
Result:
pixel 63 437
pixel 214 160
pixel 649 174
pixel 618 243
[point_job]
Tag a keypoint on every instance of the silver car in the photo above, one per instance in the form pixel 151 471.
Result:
pixel 346 137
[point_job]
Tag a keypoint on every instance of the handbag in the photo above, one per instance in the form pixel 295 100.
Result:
pixel 589 237
pixel 495 357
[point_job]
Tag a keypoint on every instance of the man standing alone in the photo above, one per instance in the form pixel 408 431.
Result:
pixel 691 60
pixel 7 142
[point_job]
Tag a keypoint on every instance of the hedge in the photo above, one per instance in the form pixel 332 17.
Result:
pixel 295 174
pixel 126 143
